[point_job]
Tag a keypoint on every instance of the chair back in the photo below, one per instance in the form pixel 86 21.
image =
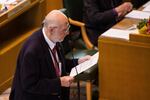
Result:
pixel 74 10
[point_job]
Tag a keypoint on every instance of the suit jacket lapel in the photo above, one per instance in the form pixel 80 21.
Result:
pixel 47 55
pixel 61 58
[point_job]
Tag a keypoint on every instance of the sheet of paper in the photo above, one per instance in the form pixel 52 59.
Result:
pixel 138 14
pixel 85 65
pixel 117 33
pixel 147 4
pixel 147 8
pixel 9 1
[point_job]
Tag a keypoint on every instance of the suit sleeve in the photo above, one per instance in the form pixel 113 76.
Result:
pixel 31 80
pixel 95 16
pixel 70 64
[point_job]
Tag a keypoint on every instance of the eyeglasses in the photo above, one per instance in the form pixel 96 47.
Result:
pixel 67 30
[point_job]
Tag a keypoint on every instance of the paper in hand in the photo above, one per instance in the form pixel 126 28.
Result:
pixel 85 65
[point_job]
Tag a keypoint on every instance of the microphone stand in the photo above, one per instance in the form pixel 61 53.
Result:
pixel 78 82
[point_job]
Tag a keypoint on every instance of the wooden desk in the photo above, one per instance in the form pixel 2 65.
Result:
pixel 124 67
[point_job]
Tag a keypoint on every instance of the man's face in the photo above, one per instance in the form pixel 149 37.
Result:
pixel 59 33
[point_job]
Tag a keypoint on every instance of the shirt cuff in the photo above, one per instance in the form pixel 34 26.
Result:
pixel 115 12
pixel 116 15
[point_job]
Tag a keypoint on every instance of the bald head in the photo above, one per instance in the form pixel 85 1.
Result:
pixel 56 26
pixel 55 18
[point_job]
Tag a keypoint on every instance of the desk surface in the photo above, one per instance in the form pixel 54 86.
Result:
pixel 16 10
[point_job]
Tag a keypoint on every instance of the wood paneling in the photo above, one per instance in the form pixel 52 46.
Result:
pixel 14 30
pixel 53 4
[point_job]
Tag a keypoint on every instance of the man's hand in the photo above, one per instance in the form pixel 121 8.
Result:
pixel 123 9
pixel 85 58
pixel 66 81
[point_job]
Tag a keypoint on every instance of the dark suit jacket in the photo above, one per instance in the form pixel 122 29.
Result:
pixel 99 16
pixel 35 77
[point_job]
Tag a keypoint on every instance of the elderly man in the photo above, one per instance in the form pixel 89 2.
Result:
pixel 41 66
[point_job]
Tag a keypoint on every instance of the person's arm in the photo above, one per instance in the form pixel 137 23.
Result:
pixel 66 81
pixel 105 17
pixel 96 16
pixel 123 9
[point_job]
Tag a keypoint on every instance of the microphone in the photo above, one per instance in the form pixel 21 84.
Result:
pixel 71 46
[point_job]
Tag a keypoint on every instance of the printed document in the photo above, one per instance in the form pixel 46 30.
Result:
pixel 138 14
pixel 147 4
pixel 85 65
pixel 117 33
pixel 147 8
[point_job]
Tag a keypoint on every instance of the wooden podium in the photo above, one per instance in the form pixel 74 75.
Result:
pixel 124 66
pixel 124 69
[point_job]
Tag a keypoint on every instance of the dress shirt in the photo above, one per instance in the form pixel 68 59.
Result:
pixel 51 46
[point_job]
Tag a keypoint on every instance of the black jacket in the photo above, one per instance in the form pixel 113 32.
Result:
pixel 99 16
pixel 35 77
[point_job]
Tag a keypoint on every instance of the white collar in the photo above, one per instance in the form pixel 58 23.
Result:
pixel 50 43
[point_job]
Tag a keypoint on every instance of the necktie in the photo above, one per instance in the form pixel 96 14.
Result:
pixel 56 64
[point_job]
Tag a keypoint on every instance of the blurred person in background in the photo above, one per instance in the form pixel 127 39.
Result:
pixel 100 15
